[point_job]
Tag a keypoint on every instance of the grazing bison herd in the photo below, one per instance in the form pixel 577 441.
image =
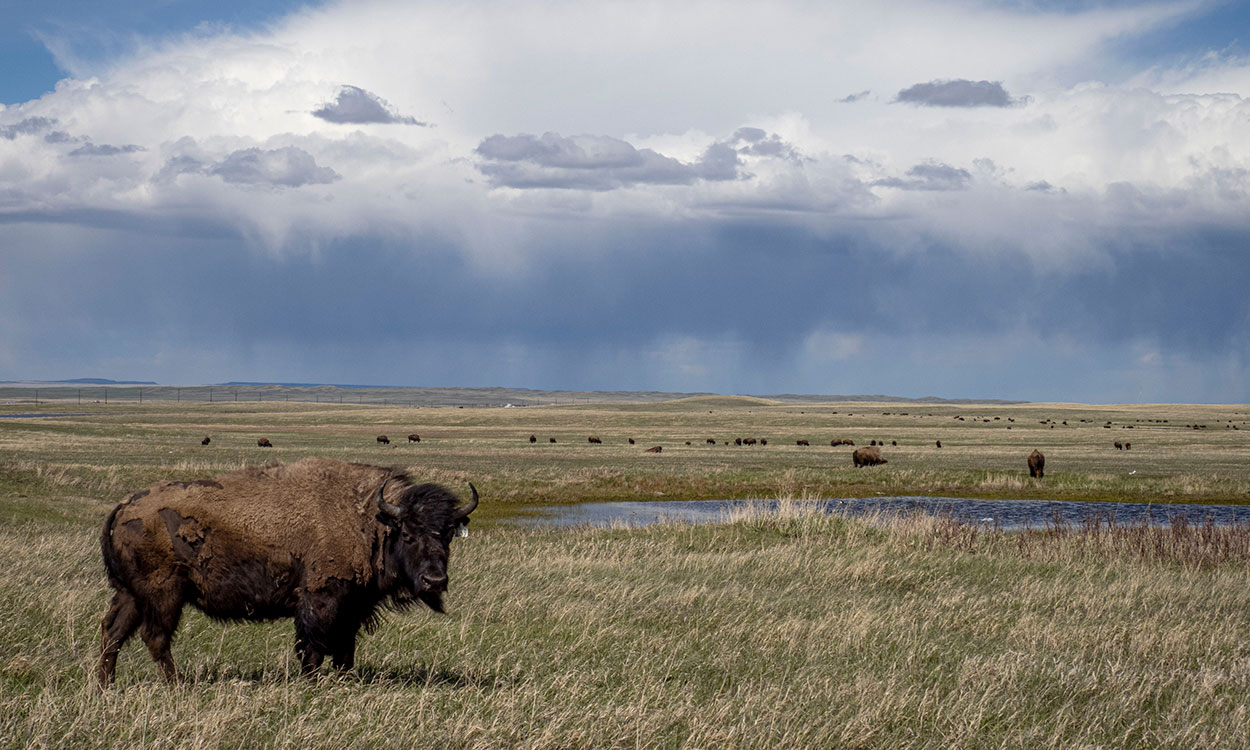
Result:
pixel 328 543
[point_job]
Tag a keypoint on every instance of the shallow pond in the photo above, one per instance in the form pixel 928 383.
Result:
pixel 1008 515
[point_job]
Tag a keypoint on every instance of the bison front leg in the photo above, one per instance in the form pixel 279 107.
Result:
pixel 344 651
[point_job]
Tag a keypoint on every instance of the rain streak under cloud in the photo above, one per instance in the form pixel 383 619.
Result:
pixel 928 198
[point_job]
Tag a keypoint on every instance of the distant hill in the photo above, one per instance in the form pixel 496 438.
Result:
pixel 422 396
pixel 79 381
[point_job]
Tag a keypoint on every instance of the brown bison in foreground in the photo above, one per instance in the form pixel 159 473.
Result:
pixel 317 540
pixel 1037 464
pixel 867 456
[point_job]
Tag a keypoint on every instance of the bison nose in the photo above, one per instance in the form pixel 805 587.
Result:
pixel 434 581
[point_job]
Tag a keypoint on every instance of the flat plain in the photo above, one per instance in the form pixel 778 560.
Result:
pixel 766 631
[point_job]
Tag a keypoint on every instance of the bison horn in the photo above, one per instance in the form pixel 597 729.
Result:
pixel 394 511
pixel 468 508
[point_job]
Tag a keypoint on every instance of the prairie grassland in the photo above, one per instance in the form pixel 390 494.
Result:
pixel 772 630
pixel 768 630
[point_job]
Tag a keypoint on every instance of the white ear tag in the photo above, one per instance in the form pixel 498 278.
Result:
pixel 462 530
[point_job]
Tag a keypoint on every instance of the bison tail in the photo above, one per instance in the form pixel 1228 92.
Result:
pixel 112 564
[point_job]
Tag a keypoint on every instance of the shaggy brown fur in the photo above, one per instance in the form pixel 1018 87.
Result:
pixel 414 438
pixel 1037 464
pixel 308 540
pixel 867 456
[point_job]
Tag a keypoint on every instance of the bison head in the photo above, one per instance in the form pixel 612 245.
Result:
pixel 418 544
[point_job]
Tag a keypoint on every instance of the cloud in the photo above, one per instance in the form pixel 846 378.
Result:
pixel 104 149
pixel 852 98
pixel 355 105
pixel 284 167
pixel 933 176
pixel 594 162
pixel 957 93
pixel 26 126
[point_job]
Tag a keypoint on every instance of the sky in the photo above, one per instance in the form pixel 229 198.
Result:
pixel 1044 201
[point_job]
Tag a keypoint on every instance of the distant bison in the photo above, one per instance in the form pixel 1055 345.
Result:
pixel 551 440
pixel 414 438
pixel 384 440
pixel 763 441
pixel 656 449
pixel 631 441
pixel 939 443
pixel 533 438
pixel 593 439
pixel 318 540
pixel 1128 446
pixel 748 441
pixel 867 456
pixel 1118 445
pixel 711 441
pixel 264 443
pixel 206 440
pixel 801 442
pixel 1037 464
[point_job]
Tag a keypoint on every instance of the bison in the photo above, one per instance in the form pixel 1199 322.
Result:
pixel 801 442
pixel 326 542
pixel 867 456
pixel 656 449
pixel 533 438
pixel 593 439
pixel 414 438
pixel 384 440
pixel 206 440
pixel 939 443
pixel 264 443
pixel 1037 464
pixel 763 441
pixel 1118 445
pixel 1128 446
pixel 631 441
pixel 552 440
pixel 711 441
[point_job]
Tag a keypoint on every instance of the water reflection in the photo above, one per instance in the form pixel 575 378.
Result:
pixel 1008 515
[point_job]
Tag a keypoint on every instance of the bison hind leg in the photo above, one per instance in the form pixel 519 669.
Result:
pixel 118 625
pixel 160 621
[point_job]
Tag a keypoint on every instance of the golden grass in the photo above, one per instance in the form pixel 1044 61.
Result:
pixel 785 629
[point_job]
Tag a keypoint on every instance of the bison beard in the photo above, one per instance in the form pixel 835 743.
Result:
pixel 315 540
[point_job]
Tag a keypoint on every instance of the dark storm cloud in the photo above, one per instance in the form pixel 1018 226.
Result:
pixel 104 149
pixel 28 126
pixel 594 162
pixel 580 302
pixel 957 93
pixel 284 167
pixel 934 176
pixel 354 105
